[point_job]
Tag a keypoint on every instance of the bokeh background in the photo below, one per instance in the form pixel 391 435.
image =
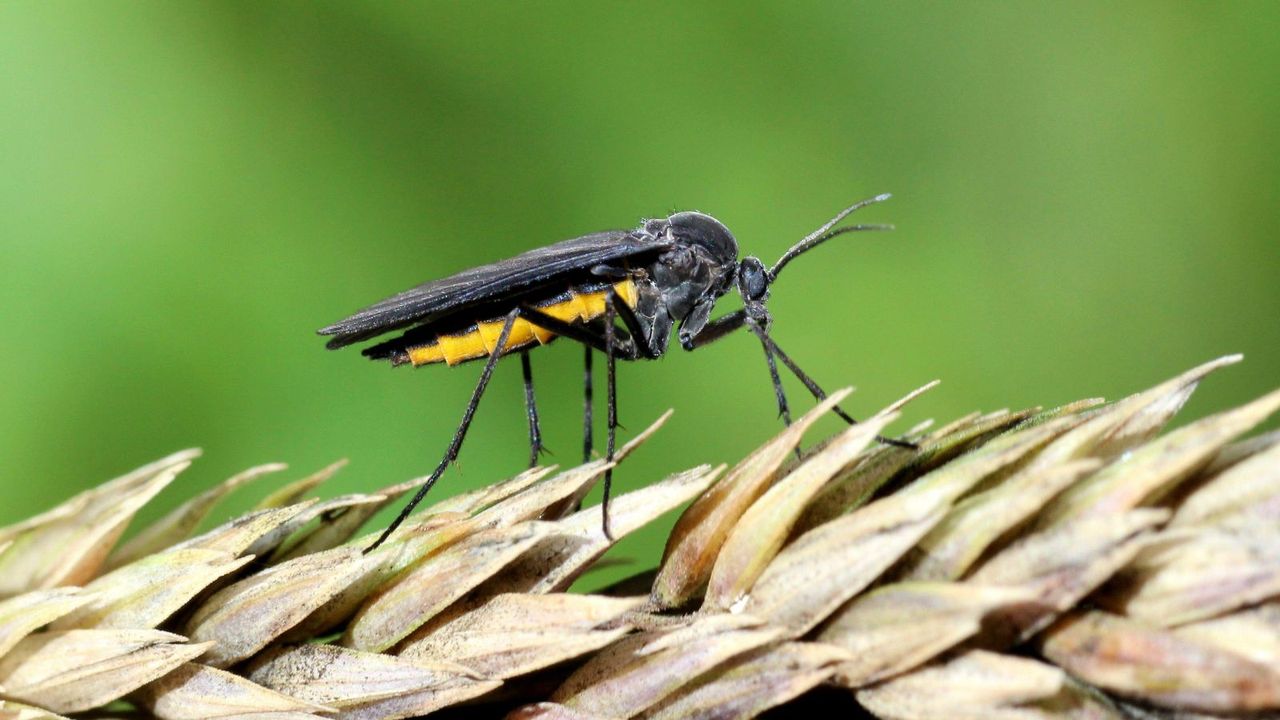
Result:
pixel 1085 196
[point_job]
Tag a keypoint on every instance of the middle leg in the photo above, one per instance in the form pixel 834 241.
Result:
pixel 531 409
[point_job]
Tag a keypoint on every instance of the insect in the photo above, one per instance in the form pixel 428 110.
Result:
pixel 668 273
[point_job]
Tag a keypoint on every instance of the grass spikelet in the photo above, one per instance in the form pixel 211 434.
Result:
pixel 1032 564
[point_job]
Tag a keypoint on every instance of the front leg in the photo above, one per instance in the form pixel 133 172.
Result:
pixel 717 329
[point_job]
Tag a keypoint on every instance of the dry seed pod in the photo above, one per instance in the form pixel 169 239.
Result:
pixel 365 685
pixel 1158 666
pixel 1062 566
pixel 414 541
pixel 145 593
pixel 701 531
pixel 574 503
pixel 77 670
pixel 965 473
pixel 830 564
pixel 1155 469
pixel 199 692
pixel 536 500
pixel 338 519
pixel 70 549
pixel 620 681
pixel 1197 575
pixel 985 476
pixel 473 501
pixel 552 711
pixel 749 685
pixel 767 523
pixel 513 635
pixel 1245 494
pixel 898 627
pixel 417 595
pixel 1142 415
pixel 298 489
pixel 11 710
pixel 178 524
pixel 238 536
pixel 977 522
pixel 244 617
pixel 557 560
pixel 979 685
pixel 23 614
pixel 1252 633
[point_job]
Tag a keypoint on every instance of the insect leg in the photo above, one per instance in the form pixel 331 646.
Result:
pixel 586 405
pixel 613 346
pixel 612 424
pixel 718 328
pixel 643 343
pixel 817 391
pixel 456 444
pixel 783 411
pixel 531 409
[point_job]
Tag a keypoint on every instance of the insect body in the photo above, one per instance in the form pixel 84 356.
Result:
pixel 664 275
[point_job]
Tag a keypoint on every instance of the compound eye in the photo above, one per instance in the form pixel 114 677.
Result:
pixel 754 278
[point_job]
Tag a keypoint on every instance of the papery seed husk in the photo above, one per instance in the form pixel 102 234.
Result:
pixel 11 710
pixel 1246 494
pixel 298 489
pixel 1252 633
pixel 332 526
pixel 534 501
pixel 245 616
pixel 196 692
pixel 179 523
pixel 23 614
pixel 414 541
pixel 765 526
pixel 895 628
pixel 556 562
pixel 830 564
pixel 974 684
pixel 747 686
pixel 694 629
pixel 145 593
pixel 1155 469
pixel 516 634
pixel 979 521
pixel 473 501
pixel 573 503
pixel 959 477
pixel 238 536
pixel 619 682
pixel 72 549
pixel 342 678
pixel 698 535
pixel 552 711
pixel 1159 666
pixel 1199 575
pixel 1062 566
pixel 415 596
pixel 1143 414
pixel 76 670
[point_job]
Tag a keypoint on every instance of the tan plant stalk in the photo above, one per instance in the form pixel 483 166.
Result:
pixel 1068 563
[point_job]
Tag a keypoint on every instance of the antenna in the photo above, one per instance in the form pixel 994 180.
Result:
pixel 825 233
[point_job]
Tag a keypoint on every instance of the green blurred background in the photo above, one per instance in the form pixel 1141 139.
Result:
pixel 1085 196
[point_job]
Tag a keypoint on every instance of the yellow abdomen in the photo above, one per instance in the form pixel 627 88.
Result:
pixel 479 340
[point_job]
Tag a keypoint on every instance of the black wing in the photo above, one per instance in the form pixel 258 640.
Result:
pixel 487 284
